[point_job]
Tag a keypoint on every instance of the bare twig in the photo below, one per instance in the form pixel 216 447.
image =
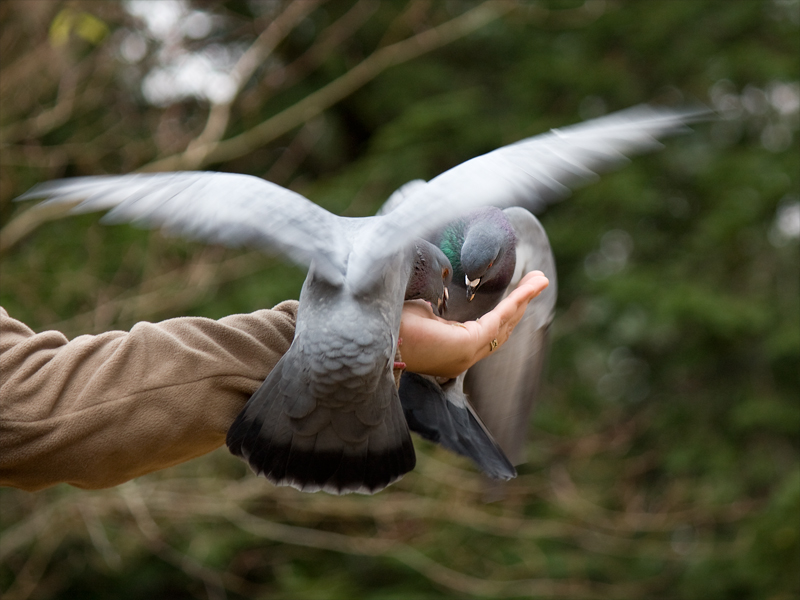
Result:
pixel 219 115
pixel 331 37
pixel 28 578
pixel 414 12
pixel 313 104
pixel 152 533
pixel 28 221
pixel 373 546
pixel 97 534
pixel 50 118
pixel 133 305
pixel 30 528
pixel 397 526
pixel 295 152
pixel 207 148
pixel 566 494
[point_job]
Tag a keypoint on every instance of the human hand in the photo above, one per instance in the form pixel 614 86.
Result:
pixel 434 346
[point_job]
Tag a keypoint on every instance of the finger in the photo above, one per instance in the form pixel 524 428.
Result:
pixel 530 275
pixel 531 286
pixel 511 311
pixel 534 282
pixel 512 308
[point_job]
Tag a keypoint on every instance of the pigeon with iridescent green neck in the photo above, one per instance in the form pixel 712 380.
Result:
pixel 483 413
pixel 481 246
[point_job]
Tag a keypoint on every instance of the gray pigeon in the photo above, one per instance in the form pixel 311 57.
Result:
pixel 481 247
pixel 483 413
pixel 504 386
pixel 328 417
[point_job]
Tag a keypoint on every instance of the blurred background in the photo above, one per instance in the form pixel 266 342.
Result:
pixel 663 453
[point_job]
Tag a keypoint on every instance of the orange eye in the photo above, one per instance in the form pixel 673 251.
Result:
pixel 445 272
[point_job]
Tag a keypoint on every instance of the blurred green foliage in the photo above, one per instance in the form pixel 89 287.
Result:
pixel 664 450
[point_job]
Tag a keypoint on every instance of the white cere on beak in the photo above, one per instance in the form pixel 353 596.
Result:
pixel 446 294
pixel 474 283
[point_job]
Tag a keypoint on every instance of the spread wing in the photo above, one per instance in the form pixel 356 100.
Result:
pixel 529 173
pixel 225 208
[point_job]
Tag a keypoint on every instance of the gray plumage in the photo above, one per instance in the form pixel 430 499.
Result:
pixel 442 414
pixel 328 416
pixel 481 247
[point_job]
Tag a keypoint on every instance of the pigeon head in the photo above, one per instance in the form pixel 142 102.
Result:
pixel 430 276
pixel 481 248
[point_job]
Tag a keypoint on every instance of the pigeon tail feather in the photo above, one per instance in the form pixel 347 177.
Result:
pixel 452 423
pixel 289 452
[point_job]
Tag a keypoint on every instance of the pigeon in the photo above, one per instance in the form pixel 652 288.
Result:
pixel 483 413
pixel 328 417
pixel 481 247
pixel 503 387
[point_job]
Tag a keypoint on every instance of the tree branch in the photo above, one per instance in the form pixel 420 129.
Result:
pixel 313 104
pixel 219 115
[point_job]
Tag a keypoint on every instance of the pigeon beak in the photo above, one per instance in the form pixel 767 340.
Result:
pixel 443 301
pixel 472 286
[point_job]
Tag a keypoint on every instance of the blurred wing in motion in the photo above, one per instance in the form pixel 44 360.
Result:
pixel 530 173
pixel 224 208
pixel 400 195
pixel 503 387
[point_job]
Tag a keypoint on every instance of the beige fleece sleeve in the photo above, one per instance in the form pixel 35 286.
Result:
pixel 99 410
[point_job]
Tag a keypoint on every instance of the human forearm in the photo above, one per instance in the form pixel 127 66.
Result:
pixel 99 410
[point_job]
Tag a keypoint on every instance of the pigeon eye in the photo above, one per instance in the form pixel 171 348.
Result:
pixel 445 272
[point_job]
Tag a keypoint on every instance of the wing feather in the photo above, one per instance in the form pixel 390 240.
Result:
pixel 529 173
pixel 225 208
